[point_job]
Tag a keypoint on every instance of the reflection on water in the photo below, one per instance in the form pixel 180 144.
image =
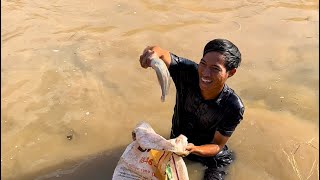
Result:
pixel 70 69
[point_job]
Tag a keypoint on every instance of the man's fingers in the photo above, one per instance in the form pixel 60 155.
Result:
pixel 146 57
pixel 133 134
pixel 146 49
pixel 143 61
pixel 182 154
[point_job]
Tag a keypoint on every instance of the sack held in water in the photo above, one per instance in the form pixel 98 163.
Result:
pixel 163 76
pixel 152 157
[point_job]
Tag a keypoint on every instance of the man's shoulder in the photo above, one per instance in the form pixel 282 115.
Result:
pixel 182 62
pixel 183 70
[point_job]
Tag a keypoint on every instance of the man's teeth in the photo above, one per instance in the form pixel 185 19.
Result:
pixel 206 80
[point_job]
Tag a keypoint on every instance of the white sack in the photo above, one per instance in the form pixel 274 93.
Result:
pixel 153 157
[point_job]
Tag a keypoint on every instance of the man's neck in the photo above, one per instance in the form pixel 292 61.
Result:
pixel 211 94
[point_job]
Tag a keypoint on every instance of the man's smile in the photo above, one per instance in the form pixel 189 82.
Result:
pixel 206 80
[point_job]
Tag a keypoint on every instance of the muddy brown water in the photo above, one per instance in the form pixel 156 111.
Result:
pixel 71 68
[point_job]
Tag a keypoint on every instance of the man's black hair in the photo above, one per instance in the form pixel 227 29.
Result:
pixel 228 49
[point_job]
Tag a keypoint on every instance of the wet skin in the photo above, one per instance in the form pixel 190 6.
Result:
pixel 213 74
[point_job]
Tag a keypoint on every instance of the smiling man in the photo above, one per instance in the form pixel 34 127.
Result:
pixel 207 111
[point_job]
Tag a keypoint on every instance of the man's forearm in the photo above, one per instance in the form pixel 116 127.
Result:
pixel 207 150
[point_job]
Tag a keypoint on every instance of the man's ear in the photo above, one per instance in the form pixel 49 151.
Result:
pixel 232 72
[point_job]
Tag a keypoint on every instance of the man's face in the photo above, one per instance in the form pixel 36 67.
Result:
pixel 212 72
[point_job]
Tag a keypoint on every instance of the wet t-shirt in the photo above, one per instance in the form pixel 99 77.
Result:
pixel 196 118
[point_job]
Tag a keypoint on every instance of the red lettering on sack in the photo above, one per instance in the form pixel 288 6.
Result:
pixel 146 160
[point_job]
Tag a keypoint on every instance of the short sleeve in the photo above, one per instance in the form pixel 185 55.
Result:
pixel 229 123
pixel 182 69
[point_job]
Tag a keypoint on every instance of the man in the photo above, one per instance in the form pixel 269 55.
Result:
pixel 207 111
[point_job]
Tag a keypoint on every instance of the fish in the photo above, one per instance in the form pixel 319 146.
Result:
pixel 163 76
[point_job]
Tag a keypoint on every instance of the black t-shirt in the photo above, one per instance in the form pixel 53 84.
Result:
pixel 196 118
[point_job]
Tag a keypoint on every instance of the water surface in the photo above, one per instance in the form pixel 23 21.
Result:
pixel 71 67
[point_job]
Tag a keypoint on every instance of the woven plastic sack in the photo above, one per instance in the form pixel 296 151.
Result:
pixel 152 157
